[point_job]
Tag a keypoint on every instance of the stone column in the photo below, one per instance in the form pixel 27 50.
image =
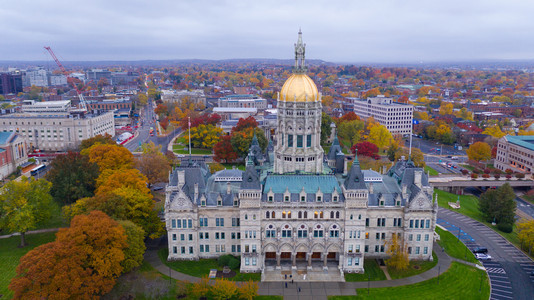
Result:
pixel 294 260
pixel 341 260
pixel 278 260
pixel 325 260
pixel 309 260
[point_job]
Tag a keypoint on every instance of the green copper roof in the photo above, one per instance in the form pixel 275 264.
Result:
pixel 526 141
pixel 279 183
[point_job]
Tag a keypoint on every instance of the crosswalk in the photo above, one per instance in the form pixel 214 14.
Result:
pixel 496 270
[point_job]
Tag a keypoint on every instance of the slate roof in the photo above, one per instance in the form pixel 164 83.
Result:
pixel 5 137
pixel 355 179
pixel 335 149
pixel 295 183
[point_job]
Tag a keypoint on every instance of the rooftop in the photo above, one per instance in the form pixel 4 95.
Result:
pixel 526 141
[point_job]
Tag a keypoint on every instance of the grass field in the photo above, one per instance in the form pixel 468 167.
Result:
pixel 454 247
pixel 458 282
pixel 202 267
pixel 182 150
pixel 415 267
pixel 469 207
pixel 431 171
pixel 238 166
pixel 10 255
pixel 371 268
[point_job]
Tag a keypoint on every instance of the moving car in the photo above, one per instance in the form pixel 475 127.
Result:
pixel 481 256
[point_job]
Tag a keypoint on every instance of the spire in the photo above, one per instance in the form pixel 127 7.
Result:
pixel 300 49
pixel 254 139
pixel 355 161
pixel 336 141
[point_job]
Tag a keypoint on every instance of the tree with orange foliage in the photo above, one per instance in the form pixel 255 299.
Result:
pixel 249 122
pixel 223 150
pixel 109 157
pixel 83 263
pixel 350 116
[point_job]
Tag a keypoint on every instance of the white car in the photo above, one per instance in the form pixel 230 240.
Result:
pixel 482 256
pixel 181 155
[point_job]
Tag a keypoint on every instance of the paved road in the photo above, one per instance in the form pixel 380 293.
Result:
pixel 509 277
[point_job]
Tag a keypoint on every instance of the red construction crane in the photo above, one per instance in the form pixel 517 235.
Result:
pixel 83 106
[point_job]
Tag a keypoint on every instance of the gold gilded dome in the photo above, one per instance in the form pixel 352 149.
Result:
pixel 299 88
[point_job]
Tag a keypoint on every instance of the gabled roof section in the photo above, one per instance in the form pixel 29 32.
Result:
pixel 251 180
pixel 335 149
pixel 355 179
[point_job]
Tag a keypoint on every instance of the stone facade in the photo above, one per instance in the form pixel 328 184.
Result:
pixel 299 214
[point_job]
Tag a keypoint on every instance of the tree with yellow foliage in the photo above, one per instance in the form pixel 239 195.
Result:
pixel 526 234
pixel 465 114
pixel 479 151
pixel 248 290
pixel 223 289
pixel 109 157
pixel 398 255
pixel 446 109
pixel 380 136
pixel 421 115
pixel 495 131
pixel 205 136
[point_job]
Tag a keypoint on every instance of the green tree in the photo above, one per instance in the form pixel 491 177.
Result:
pixel 351 131
pixel 241 140
pixel 326 130
pixel 73 177
pixel 133 254
pixel 24 205
pixel 498 205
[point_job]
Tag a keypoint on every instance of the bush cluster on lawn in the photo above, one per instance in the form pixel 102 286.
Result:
pixel 229 260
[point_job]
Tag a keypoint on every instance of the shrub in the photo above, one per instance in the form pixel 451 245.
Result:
pixel 497 171
pixel 224 260
pixel 477 171
pixel 519 175
pixel 485 176
pixel 508 176
pixel 509 171
pixel 487 171
pixel 474 175
pixel 234 263
pixel 497 176
pixel 465 172
pixel 505 227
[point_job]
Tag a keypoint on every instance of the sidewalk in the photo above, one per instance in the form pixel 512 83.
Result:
pixel 318 290
pixel 29 232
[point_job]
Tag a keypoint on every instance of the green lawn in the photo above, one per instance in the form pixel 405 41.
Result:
pixel 415 267
pixel 469 167
pixel 431 171
pixel 184 150
pixel 10 255
pixel 454 247
pixel 238 166
pixel 202 267
pixel 469 207
pixel 371 268
pixel 458 282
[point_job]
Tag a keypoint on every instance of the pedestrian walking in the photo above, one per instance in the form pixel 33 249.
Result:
pixel 291 281
pixel 299 289
pixel 286 285
pixel 285 276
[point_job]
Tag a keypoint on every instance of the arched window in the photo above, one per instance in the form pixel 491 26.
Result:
pixel 272 215
pixel 289 214
pixel 321 215
pixel 337 214
pixel 283 215
pixel 331 214
pixel 286 231
pixel 316 215
pixel 300 215
pixel 302 231
pixel 318 231
pixel 246 217
pixel 305 215
pixel 270 231
pixel 267 214
pixel 334 231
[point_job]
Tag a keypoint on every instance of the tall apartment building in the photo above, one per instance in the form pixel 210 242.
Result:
pixel 243 101
pixel 37 77
pixel 515 153
pixel 289 210
pixel 10 83
pixel 397 117
pixel 52 126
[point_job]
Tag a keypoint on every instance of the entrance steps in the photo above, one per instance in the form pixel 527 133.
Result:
pixel 302 274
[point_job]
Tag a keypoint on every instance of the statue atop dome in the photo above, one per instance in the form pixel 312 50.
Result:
pixel 300 50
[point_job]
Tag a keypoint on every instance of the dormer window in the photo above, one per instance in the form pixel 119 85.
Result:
pixel 286 198
pixel 381 202
pixel 219 202
pixel 334 199
pixel 398 203
pixel 236 203
pixel 270 198
pixel 302 198
pixel 319 199
pixel 202 202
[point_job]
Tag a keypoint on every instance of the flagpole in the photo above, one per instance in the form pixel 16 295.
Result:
pixel 189 125
pixel 411 134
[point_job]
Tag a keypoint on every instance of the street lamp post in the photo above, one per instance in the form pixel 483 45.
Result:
pixel 368 283
pixel 439 271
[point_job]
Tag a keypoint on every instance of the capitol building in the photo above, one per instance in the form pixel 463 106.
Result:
pixel 295 207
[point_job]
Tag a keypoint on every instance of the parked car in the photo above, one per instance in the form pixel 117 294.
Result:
pixel 482 250
pixel 482 256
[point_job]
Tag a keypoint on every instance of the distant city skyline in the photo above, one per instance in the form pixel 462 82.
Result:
pixel 339 31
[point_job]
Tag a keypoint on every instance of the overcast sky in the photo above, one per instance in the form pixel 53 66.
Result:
pixel 336 31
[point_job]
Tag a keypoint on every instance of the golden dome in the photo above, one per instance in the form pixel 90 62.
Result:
pixel 299 88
